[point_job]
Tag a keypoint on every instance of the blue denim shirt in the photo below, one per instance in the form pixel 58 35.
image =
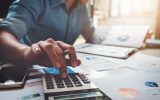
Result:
pixel 35 20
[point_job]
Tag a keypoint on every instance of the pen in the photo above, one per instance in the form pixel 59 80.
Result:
pixel 66 52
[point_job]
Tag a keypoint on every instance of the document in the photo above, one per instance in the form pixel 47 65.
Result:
pixel 142 61
pixel 27 93
pixel 124 35
pixel 100 63
pixel 104 50
pixel 131 86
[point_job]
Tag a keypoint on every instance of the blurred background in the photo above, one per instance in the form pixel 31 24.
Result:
pixel 129 12
pixel 117 12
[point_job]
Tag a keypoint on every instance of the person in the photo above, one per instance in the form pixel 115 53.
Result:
pixel 39 31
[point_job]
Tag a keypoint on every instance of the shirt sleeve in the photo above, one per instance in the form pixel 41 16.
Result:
pixel 21 16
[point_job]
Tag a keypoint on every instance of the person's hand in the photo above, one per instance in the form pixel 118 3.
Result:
pixel 51 53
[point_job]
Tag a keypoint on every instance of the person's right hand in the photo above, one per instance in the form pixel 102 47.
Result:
pixel 51 53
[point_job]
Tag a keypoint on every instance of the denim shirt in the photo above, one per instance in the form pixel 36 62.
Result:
pixel 35 20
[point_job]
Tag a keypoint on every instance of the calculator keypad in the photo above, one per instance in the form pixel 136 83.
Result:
pixel 49 82
pixel 72 80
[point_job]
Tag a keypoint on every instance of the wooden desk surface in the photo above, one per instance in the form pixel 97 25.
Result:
pixel 153 52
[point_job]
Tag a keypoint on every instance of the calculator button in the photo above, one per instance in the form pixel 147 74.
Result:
pixel 78 84
pixel 68 82
pixel 60 86
pixel 67 79
pixel 83 78
pixel 50 86
pixel 74 78
pixel 69 85
pixel 49 82
pixel 86 81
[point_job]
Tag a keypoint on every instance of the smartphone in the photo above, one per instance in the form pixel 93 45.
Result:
pixel 13 77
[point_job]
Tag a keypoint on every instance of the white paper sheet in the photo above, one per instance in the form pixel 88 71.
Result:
pixel 132 84
pixel 124 35
pixel 99 63
pixel 27 93
pixel 144 62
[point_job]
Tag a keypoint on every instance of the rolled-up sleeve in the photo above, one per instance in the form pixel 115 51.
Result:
pixel 21 16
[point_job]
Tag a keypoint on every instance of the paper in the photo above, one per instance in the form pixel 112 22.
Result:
pixel 124 35
pixel 103 50
pixel 144 62
pixel 130 86
pixel 99 63
pixel 34 78
pixel 35 96
pixel 27 93
pixel 79 69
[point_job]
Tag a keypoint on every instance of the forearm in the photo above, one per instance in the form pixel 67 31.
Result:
pixel 94 38
pixel 11 50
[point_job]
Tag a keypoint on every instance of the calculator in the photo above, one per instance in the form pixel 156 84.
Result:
pixel 74 87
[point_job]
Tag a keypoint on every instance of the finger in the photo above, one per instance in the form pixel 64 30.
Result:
pixel 51 53
pixel 71 51
pixel 63 45
pixel 36 49
pixel 60 53
pixel 69 63
pixel 63 69
pixel 50 40
pixel 73 57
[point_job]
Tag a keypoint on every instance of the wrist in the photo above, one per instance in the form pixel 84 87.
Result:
pixel 25 54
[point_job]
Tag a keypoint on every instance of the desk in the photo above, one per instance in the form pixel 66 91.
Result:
pixel 153 52
pixel 105 79
pixel 139 68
